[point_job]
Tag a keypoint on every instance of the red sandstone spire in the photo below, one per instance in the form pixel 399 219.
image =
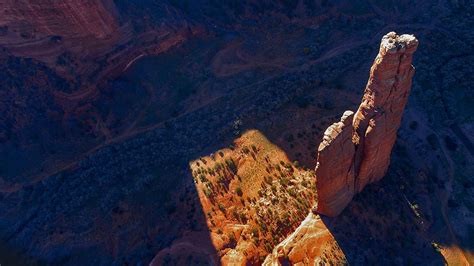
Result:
pixel 354 155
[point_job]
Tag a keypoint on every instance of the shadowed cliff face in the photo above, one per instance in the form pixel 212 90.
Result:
pixel 102 113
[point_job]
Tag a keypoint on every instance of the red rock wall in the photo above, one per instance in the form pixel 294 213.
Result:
pixel 378 118
pixel 73 18
pixel 336 173
pixel 354 155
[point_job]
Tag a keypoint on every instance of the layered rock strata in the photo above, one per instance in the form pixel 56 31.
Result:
pixel 355 154
pixel 70 36
pixel 72 18
pixel 305 246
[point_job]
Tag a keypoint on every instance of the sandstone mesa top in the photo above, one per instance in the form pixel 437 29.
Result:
pixel 392 43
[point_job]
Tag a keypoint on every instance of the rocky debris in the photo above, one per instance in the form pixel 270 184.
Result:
pixel 352 156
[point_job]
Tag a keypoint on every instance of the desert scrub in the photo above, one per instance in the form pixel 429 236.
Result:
pixel 238 191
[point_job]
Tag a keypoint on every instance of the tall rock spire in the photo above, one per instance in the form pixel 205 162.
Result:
pixel 355 154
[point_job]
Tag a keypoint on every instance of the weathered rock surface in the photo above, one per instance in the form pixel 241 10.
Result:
pixel 68 36
pixel 352 156
pixel 305 246
pixel 63 18
pixel 379 115
pixel 336 174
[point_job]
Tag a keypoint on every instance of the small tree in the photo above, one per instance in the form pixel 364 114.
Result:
pixel 268 247
pixel 231 165
pixel 243 217
pixel 221 207
pixel 239 192
pixel 254 231
pixel 207 192
pixel 231 238
pixel 254 148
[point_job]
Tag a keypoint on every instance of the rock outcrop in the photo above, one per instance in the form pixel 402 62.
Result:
pixel 69 36
pixel 307 245
pixel 87 40
pixel 355 154
pixel 336 173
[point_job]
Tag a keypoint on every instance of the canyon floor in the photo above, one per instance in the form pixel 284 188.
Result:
pixel 202 151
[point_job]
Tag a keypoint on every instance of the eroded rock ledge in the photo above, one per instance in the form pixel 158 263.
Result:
pixel 356 151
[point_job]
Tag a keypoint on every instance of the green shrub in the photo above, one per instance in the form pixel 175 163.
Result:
pixel 239 192
pixel 268 247
pixel 235 214
pixel 254 231
pixel 221 207
pixel 254 148
pixel 231 165
pixel 207 192
pixel 274 189
pixel 243 217
pixel 203 178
